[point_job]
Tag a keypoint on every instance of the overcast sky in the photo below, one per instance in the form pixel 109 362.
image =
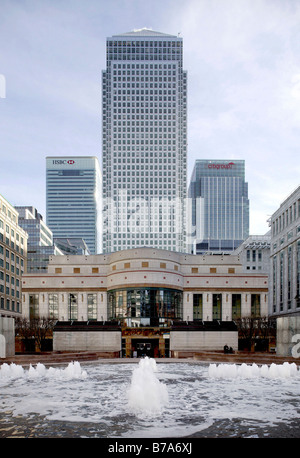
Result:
pixel 243 64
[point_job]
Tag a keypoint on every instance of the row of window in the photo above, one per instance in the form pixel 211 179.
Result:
pixel 72 306
pixel 141 43
pixel 291 214
pixel 10 305
pixel 286 279
pixel 236 306
pixel 144 264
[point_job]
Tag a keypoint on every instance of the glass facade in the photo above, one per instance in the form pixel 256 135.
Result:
pixel 40 240
pixel 145 306
pixel 144 91
pixel 74 199
pixel 219 205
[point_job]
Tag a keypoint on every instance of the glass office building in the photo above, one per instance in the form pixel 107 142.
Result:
pixel 74 199
pixel 144 124
pixel 219 206
pixel 40 244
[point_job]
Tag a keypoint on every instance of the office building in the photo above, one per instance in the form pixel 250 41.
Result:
pixel 254 253
pixel 166 301
pixel 285 258
pixel 144 122
pixel 40 239
pixel 13 253
pixel 218 206
pixel 72 246
pixel 74 199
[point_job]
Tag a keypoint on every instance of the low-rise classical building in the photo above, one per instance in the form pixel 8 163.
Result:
pixel 148 293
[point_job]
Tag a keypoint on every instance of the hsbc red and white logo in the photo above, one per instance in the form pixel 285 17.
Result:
pixel 221 166
pixel 63 161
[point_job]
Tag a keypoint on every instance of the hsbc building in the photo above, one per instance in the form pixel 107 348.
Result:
pixel 74 199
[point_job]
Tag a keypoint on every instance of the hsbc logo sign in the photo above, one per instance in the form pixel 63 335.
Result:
pixel 221 166
pixel 63 161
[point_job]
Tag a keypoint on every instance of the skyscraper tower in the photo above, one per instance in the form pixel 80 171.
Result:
pixel 74 199
pixel 144 120
pixel 218 195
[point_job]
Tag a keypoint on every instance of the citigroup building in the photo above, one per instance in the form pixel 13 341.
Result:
pixel 219 206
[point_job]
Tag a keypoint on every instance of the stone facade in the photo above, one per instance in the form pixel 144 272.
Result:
pixel 284 283
pixel 7 337
pixel 288 336
pixel 13 260
pixel 78 336
pixel 143 289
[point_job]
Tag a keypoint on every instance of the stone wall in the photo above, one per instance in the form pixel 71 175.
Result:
pixel 84 337
pixel 7 337
pixel 196 341
pixel 288 336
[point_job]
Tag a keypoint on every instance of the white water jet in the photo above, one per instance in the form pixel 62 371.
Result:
pixel 147 394
pixel 14 371
pixel 285 370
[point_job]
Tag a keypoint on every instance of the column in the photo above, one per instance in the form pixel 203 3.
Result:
pixel 226 307
pixel 188 306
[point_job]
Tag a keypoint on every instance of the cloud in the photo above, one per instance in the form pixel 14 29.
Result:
pixel 243 63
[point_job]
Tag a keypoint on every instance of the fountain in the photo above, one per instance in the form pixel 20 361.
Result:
pixel 150 399
pixel 146 393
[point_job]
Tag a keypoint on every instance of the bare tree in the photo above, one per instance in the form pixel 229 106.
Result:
pixel 251 329
pixel 38 329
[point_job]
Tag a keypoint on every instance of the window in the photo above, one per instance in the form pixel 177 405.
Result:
pixel 145 264
pixel 92 306
pixel 72 306
pixel 76 270
pixel 53 306
pixel 127 265
pixel 163 265
pixel 236 306
pixel 217 306
pixel 33 306
pixel 255 305
pixel 197 306
pixel 213 270
pixel 194 270
pixel 231 270
pixel 95 270
pixel 58 270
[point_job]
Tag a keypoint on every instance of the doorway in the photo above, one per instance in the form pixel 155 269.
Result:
pixel 145 347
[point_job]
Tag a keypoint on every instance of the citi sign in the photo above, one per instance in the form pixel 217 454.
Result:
pixel 221 166
pixel 63 161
